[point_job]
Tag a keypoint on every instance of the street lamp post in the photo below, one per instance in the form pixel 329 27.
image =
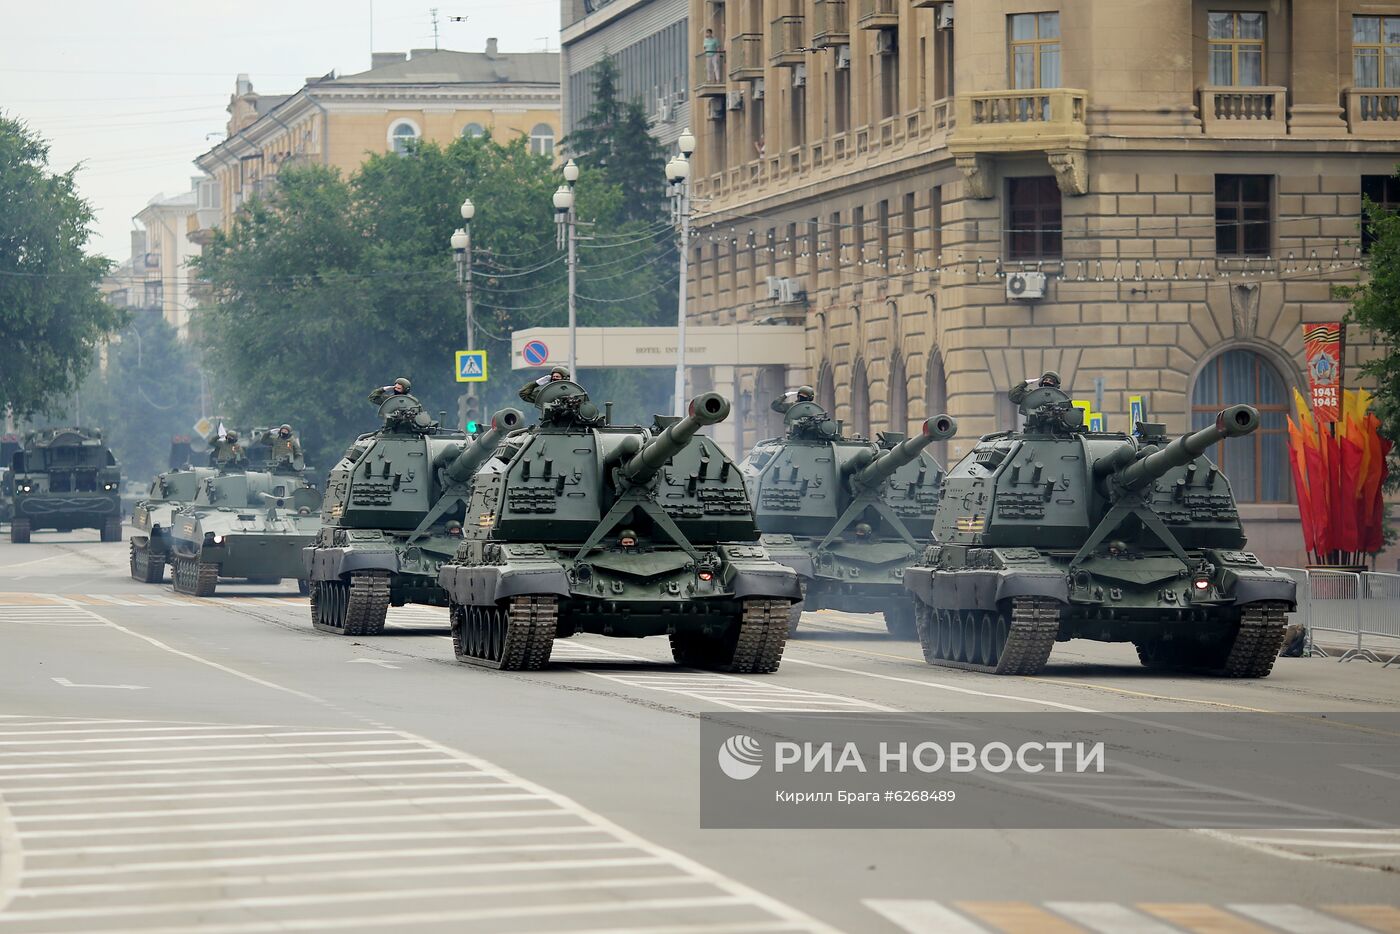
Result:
pixel 678 175
pixel 568 239
pixel 462 251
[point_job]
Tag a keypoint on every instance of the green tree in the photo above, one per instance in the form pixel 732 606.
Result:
pixel 148 393
pixel 52 315
pixel 1375 305
pixel 615 137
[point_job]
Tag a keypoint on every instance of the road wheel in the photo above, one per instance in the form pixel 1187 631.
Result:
pixel 112 529
pixel 19 531
pixel 514 636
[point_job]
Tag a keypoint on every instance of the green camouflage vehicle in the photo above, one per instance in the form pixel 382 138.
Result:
pixel 1056 533
pixel 9 444
pixel 64 479
pixel 249 525
pixel 392 514
pixel 580 526
pixel 152 517
pixel 847 514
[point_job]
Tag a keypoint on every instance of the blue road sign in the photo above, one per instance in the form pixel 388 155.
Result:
pixel 471 366
pixel 536 353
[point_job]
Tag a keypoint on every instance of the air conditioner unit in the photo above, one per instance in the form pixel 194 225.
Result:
pixel 758 89
pixel 843 57
pixel 885 42
pixel 774 288
pixel 945 16
pixel 663 110
pixel 799 76
pixel 1025 286
pixel 715 109
pixel 734 100
pixel 790 291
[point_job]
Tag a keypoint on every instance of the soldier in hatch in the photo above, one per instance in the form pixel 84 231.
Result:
pixel 1049 380
pixel 286 449
pixel 399 387
pixel 226 452
pixel 793 396
pixel 531 390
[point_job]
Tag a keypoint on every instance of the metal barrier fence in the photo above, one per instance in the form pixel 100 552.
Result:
pixel 1363 607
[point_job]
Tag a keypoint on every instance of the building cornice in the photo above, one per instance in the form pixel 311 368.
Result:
pixel 595 21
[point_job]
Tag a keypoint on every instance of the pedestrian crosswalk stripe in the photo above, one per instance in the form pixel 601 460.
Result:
pixel 923 916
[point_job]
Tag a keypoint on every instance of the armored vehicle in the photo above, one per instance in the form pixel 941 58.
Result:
pixel 392 514
pixel 847 514
pixel 243 524
pixel 152 517
pixel 1055 533
pixel 581 526
pixel 9 444
pixel 65 479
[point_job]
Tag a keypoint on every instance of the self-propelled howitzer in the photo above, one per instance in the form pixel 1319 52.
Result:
pixel 584 526
pixel 393 514
pixel 1055 533
pixel 847 514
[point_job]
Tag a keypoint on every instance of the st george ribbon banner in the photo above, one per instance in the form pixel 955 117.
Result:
pixel 1323 345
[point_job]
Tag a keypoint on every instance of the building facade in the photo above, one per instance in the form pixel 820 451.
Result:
pixel 1149 196
pixel 648 40
pixel 166 255
pixel 426 95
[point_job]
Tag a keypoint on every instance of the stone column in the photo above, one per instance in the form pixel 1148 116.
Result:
pixel 1313 85
pixel 728 434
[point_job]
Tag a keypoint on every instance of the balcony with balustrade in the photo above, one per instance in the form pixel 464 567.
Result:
pixel 709 74
pixel 787 41
pixel 1373 112
pixel 1233 111
pixel 878 14
pixel 746 56
pixel 830 25
pixel 1019 121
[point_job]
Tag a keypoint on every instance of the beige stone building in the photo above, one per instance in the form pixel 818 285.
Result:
pixel 1185 175
pixel 426 94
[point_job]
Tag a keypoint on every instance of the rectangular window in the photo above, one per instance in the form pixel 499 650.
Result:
pixel 1384 192
pixel 842 105
pixel 1035 50
pixel 835 240
pixel 935 225
pixel 906 256
pixel 772 251
pixel 792 249
pixel 858 238
pixel 882 234
pixel 1236 49
pixel 1242 215
pixel 1033 226
pixel 1375 51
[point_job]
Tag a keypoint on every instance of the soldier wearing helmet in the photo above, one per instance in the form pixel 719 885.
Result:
pixel 399 387
pixel 792 397
pixel 1048 380
pixel 531 390
pixel 286 448
pixel 225 452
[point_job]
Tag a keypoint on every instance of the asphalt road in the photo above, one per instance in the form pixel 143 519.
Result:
pixel 174 764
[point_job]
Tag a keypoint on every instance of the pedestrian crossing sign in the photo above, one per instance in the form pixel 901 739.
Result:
pixel 471 366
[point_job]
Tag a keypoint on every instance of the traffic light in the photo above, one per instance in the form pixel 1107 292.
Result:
pixel 469 412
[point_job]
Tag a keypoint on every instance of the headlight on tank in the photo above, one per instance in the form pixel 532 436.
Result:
pixel 213 538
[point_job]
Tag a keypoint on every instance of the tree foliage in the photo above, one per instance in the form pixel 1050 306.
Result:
pixel 614 137
pixel 148 393
pixel 52 314
pixel 331 286
pixel 1375 305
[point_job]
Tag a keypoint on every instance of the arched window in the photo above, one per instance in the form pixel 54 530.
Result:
pixel 403 135
pixel 936 396
pixel 1256 464
pixel 473 131
pixel 542 140
pixel 860 400
pixel 826 389
pixel 898 394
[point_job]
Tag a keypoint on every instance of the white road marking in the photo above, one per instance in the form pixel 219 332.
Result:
pixel 300 807
pixel 1295 919
pixel 1110 918
pixel 941 687
pixel 372 661
pixel 758 695
pixel 256 733
pixel 64 682
pixel 918 916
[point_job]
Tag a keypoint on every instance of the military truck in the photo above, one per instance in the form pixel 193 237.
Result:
pixel 1055 533
pixel 249 525
pixel 577 525
pixel 847 514
pixel 65 479
pixel 392 514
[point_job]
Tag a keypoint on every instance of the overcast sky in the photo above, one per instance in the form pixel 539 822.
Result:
pixel 135 89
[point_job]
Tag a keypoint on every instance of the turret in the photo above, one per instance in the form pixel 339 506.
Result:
pixel 1234 422
pixel 877 470
pixel 708 408
pixel 475 453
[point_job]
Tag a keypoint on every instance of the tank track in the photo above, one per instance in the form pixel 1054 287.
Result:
pixel 515 637
pixel 194 577
pixel 1019 645
pixel 899 622
pixel 1257 642
pixel 755 646
pixel 112 529
pixel 19 531
pixel 143 568
pixel 358 608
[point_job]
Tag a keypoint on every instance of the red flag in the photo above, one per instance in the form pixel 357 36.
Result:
pixel 1297 463
pixel 1349 488
pixel 1318 483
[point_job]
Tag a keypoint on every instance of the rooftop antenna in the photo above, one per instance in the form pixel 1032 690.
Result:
pixel 434 14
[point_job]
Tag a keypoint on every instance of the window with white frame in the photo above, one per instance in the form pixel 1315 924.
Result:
pixel 403 136
pixel 542 140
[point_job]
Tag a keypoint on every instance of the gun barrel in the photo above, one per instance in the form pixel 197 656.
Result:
pixel 708 408
pixel 938 428
pixel 1234 422
pixel 474 455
